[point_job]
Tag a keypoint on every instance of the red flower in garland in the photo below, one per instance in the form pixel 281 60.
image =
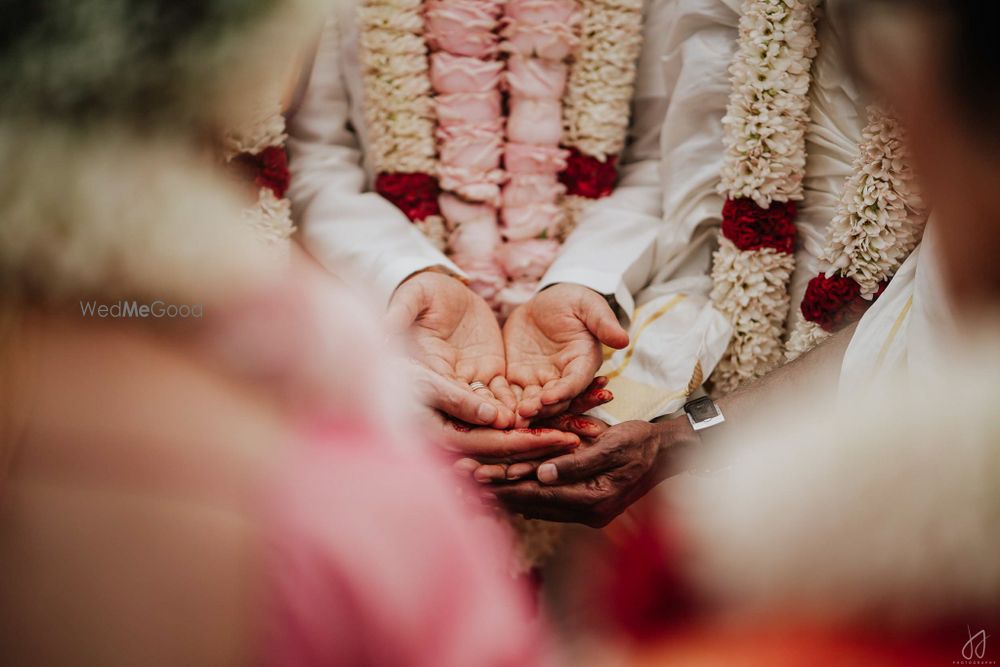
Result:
pixel 751 227
pixel 272 170
pixel 586 176
pixel 416 195
pixel 832 302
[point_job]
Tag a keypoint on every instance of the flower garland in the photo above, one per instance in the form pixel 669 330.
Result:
pixel 596 107
pixel 494 122
pixel 879 220
pixel 761 178
pixel 540 37
pixel 466 74
pixel 258 152
pixel 399 110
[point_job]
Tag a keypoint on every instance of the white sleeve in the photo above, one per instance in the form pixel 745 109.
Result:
pixel 351 230
pixel 611 249
pixel 677 336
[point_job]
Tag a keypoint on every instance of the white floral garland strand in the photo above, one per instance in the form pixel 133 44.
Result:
pixel 751 289
pixel 397 86
pixel 600 87
pixel 765 127
pixel 879 220
pixel 397 103
pixel 270 216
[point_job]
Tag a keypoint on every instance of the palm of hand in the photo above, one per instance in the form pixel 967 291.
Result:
pixel 458 337
pixel 542 346
pixel 551 355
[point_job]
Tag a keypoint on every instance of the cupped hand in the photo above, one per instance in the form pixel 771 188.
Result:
pixel 455 336
pixel 553 345
pixel 572 421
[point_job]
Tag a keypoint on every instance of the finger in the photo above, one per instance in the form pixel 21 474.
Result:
pixel 600 320
pixel 462 403
pixel 594 397
pixel 487 474
pixel 579 465
pixel 530 493
pixel 576 376
pixel 505 395
pixel 517 471
pixel 536 454
pixel 530 403
pixel 404 308
pixel 583 426
pixel 485 443
pixel 553 410
pixel 464 468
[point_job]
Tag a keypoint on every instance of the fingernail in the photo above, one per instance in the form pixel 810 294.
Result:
pixel 547 473
pixel 485 477
pixel 486 413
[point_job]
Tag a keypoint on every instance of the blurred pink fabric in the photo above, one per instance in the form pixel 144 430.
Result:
pixel 372 561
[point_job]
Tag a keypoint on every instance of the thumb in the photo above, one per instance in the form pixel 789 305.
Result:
pixel 404 308
pixel 600 320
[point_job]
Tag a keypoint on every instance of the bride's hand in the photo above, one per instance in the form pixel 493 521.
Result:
pixel 572 421
pixel 456 338
pixel 553 345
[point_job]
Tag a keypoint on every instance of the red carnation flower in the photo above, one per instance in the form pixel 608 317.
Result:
pixel 416 195
pixel 272 170
pixel 751 227
pixel 832 302
pixel 586 176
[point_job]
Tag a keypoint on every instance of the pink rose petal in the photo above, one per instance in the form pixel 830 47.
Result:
pixel 462 74
pixel 528 260
pixel 534 12
pixel 528 159
pixel 457 211
pixel 534 77
pixel 476 108
pixel 473 184
pixel 526 189
pixel 521 223
pixel 535 121
pixel 552 41
pixel 470 146
pixel 463 27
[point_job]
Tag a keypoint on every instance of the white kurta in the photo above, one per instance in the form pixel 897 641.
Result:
pixel 907 328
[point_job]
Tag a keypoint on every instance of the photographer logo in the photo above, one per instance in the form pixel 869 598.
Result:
pixel 974 649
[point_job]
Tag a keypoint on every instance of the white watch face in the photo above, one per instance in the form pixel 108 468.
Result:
pixel 703 413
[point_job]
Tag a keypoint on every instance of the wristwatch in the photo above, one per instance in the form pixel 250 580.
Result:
pixel 703 413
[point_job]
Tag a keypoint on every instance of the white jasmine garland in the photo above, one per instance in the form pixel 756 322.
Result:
pixel 602 77
pixel 751 288
pixel 600 87
pixel 878 222
pixel 395 74
pixel 768 109
pixel 265 128
pixel 270 217
pixel 880 217
pixel 805 336
pixel 764 161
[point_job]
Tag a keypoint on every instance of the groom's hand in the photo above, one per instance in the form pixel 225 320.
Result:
pixel 456 341
pixel 553 345
pixel 599 480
